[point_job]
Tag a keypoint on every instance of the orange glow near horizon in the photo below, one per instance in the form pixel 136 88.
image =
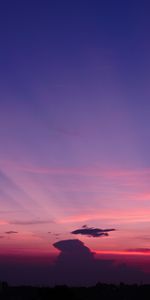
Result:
pixel 121 252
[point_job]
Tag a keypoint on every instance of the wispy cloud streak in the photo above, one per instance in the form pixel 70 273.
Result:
pixel 31 222
pixel 11 232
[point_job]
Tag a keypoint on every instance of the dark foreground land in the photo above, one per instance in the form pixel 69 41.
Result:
pixel 100 291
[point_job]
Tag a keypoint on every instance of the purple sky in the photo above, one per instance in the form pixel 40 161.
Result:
pixel 74 126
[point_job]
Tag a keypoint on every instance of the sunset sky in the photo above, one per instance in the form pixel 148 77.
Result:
pixel 75 128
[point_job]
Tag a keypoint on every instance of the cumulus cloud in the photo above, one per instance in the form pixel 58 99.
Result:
pixel 73 247
pixel 11 232
pixel 92 232
pixel 77 265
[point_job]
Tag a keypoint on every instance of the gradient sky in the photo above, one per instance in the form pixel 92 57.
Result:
pixel 74 125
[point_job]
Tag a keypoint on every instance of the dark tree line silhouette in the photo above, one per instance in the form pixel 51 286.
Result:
pixel 100 291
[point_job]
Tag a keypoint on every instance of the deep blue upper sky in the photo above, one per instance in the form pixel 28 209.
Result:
pixel 38 35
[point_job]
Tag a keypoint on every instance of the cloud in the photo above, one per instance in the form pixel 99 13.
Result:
pixel 10 211
pixel 92 232
pixel 84 226
pixel 139 250
pixel 64 131
pixel 111 173
pixel 2 222
pixel 54 234
pixel 31 222
pixel 73 247
pixel 133 216
pixel 143 237
pixel 73 265
pixel 77 265
pixel 11 232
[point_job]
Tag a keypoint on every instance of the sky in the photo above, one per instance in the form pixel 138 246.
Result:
pixel 74 132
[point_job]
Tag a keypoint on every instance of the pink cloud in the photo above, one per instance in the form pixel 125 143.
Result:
pixel 145 196
pixel 2 222
pixel 111 173
pixel 120 216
